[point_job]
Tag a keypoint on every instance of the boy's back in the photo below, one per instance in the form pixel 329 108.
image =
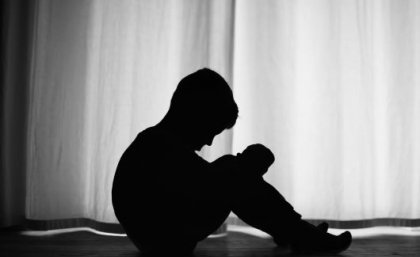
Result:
pixel 157 183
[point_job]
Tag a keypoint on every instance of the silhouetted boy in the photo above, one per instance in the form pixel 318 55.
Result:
pixel 167 198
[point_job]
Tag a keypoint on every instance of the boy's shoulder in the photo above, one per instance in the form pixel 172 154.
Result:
pixel 154 139
pixel 153 136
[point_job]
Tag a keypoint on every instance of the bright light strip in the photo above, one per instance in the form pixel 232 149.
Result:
pixel 69 230
pixel 356 233
pixel 379 231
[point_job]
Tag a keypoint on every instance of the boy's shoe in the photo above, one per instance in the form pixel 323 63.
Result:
pixel 326 243
pixel 283 242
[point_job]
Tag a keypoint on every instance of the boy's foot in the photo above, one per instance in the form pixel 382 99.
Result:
pixel 282 242
pixel 324 243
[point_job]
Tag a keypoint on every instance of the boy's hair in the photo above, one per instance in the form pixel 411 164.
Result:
pixel 204 96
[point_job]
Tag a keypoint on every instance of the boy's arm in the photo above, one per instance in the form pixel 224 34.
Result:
pixel 226 163
pixel 254 160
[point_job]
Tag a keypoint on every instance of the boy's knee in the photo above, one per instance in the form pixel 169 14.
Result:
pixel 225 163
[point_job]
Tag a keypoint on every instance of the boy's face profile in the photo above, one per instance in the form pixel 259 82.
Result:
pixel 203 135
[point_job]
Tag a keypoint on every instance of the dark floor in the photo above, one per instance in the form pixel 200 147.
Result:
pixel 234 245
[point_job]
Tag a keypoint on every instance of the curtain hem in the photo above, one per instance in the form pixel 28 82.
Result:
pixel 42 225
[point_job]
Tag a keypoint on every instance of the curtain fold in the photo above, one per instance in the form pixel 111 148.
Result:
pixel 332 87
pixel 15 51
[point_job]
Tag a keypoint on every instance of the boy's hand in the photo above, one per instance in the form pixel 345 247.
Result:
pixel 258 158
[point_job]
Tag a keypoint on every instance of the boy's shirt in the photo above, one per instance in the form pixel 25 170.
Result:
pixel 157 172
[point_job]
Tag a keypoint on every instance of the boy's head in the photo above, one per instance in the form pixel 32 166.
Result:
pixel 203 102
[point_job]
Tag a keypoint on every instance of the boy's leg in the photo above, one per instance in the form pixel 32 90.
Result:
pixel 209 214
pixel 211 207
pixel 260 205
pixel 250 197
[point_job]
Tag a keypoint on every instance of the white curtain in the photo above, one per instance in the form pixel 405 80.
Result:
pixel 103 71
pixel 332 87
